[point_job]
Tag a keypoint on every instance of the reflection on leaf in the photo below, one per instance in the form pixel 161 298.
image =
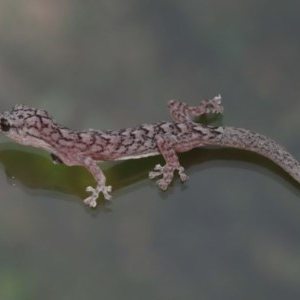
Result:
pixel 36 171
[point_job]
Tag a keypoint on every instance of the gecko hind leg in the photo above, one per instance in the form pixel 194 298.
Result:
pixel 182 112
pixel 167 171
pixel 172 164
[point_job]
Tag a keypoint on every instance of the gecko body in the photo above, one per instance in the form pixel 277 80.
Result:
pixel 35 127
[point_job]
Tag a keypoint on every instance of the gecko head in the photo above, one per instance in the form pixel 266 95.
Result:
pixel 22 122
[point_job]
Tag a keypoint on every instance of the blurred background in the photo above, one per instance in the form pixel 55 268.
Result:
pixel 231 232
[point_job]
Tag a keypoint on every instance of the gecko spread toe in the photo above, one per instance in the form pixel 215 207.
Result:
pixel 36 128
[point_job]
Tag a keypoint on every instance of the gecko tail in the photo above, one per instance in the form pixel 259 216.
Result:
pixel 252 141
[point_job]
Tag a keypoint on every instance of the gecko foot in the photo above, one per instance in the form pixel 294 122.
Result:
pixel 167 171
pixel 182 175
pixel 213 105
pixel 92 200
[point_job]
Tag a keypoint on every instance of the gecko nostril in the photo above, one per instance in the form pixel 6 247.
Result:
pixel 4 124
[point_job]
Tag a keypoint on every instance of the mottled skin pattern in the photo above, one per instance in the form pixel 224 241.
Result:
pixel 35 127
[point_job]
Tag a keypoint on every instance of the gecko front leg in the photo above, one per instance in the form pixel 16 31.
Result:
pixel 165 146
pixel 94 169
pixel 101 186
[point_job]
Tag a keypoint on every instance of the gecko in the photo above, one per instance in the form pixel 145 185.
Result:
pixel 36 128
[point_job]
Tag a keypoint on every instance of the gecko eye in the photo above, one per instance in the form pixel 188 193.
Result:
pixel 4 125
